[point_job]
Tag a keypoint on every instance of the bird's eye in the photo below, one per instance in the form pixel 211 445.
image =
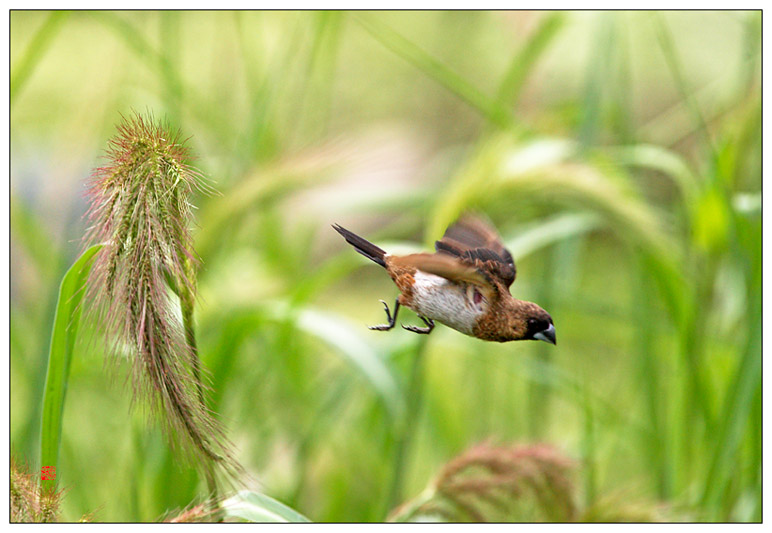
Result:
pixel 477 297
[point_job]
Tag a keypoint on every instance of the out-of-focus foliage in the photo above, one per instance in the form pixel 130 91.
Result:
pixel 619 154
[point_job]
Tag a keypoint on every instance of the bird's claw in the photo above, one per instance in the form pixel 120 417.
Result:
pixel 391 319
pixel 422 331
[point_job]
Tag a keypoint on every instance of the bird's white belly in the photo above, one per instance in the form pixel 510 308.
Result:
pixel 446 302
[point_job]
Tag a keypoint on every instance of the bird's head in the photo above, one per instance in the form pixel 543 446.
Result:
pixel 539 327
pixel 519 320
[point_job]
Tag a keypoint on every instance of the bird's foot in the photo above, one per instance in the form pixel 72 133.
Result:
pixel 391 319
pixel 423 331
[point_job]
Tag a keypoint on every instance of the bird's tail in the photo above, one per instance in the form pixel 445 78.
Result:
pixel 364 247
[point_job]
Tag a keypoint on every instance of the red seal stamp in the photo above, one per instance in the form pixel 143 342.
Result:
pixel 48 473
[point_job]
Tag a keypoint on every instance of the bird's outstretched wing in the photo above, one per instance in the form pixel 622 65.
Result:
pixel 451 268
pixel 474 243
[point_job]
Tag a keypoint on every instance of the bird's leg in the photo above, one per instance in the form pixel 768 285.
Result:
pixel 391 319
pixel 424 331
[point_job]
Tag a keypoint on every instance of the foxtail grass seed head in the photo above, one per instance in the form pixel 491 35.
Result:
pixel 490 483
pixel 29 501
pixel 139 208
pixel 203 512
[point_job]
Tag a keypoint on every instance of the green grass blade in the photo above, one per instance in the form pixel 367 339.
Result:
pixel 589 445
pixel 132 37
pixel 548 231
pixel 668 162
pixel 522 63
pixel 668 47
pixel 432 67
pixel 737 409
pixel 253 193
pixel 560 272
pixel 45 258
pixel 316 103
pixel 340 335
pixel 65 331
pixel 256 507
pixel 27 230
pixel 596 83
pixel 22 70
pixel 266 97
pixel 645 314
pixel 169 56
pixel 751 69
pixel 360 355
pixel 407 431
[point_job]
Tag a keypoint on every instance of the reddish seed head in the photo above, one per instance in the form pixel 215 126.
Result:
pixel 140 210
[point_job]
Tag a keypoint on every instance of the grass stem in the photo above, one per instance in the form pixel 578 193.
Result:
pixel 409 425
pixel 187 307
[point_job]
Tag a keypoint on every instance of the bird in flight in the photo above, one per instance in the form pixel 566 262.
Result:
pixel 464 285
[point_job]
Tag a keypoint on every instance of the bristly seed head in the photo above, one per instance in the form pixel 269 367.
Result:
pixel 29 501
pixel 139 208
pixel 499 483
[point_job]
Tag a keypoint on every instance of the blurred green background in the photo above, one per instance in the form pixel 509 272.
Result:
pixel 619 154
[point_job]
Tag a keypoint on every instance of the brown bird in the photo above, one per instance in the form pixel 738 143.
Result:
pixel 464 285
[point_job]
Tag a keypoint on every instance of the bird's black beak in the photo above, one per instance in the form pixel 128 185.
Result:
pixel 547 335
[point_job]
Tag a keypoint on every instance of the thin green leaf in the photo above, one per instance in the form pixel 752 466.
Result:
pixel 27 230
pixel 65 332
pixel 256 507
pixel 552 230
pixel 661 159
pixel 34 52
pixel 436 70
pixel 133 38
pixel 522 63
pixel 258 189
pixel 679 77
pixel 737 408
pixel 598 73
pixel 545 170
pixel 336 333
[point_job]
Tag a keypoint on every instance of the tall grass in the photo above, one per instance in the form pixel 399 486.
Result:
pixel 626 182
pixel 65 333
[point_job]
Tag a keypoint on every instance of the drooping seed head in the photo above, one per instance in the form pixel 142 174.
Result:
pixel 139 208
pixel 492 483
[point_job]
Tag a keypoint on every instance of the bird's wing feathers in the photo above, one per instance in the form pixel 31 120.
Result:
pixel 474 243
pixel 450 268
